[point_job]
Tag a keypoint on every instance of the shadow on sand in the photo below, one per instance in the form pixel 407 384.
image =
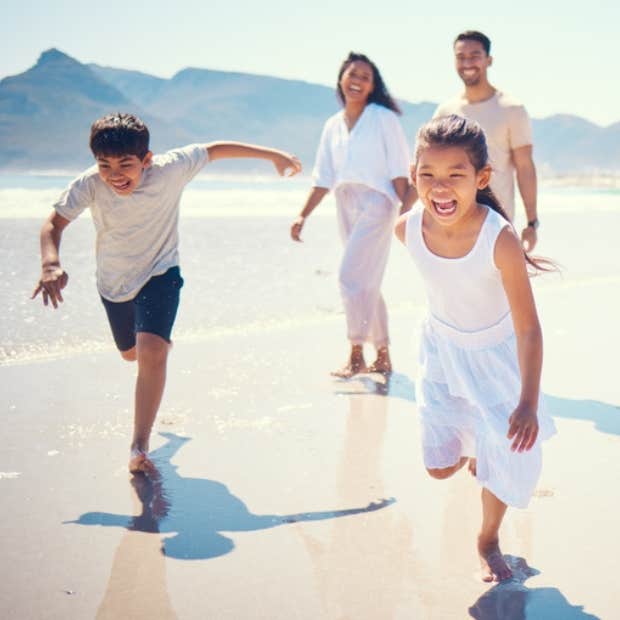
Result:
pixel 512 600
pixel 197 510
pixel 605 417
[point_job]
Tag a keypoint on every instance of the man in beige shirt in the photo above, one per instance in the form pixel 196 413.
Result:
pixel 506 125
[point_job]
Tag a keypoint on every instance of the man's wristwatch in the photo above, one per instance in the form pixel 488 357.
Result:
pixel 534 223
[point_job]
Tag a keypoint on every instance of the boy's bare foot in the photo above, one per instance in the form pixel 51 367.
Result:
pixel 139 461
pixel 493 567
pixel 355 365
pixel 472 467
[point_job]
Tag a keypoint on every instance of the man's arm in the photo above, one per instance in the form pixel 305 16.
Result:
pixel 528 187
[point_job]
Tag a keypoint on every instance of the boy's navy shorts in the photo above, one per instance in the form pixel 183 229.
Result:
pixel 152 310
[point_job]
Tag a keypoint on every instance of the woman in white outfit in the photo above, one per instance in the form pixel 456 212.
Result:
pixel 363 157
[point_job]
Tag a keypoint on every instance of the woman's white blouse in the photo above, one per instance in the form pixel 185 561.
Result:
pixel 373 153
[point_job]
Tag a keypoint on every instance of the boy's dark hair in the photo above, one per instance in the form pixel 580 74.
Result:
pixel 475 35
pixel 379 94
pixel 119 134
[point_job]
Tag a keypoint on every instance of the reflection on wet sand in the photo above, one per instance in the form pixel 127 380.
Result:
pixel 395 385
pixel 362 568
pixel 512 600
pixel 197 510
pixel 137 586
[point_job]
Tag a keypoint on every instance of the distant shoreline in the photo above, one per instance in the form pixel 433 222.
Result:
pixel 594 180
pixel 603 181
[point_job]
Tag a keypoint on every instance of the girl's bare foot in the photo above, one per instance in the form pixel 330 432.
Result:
pixel 139 461
pixel 355 365
pixel 382 364
pixel 493 567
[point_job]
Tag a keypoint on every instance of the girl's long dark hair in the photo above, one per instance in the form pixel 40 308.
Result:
pixel 380 94
pixel 467 134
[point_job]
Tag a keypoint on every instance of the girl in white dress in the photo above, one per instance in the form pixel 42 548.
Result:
pixel 363 157
pixel 478 388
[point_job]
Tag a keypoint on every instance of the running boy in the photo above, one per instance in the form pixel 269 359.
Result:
pixel 134 200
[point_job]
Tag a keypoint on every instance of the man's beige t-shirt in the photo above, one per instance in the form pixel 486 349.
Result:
pixel 507 126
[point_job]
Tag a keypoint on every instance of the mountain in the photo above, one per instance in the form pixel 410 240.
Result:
pixel 46 112
pixel 216 105
pixel 571 144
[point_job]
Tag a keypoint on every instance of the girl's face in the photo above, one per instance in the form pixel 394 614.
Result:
pixel 447 182
pixel 357 82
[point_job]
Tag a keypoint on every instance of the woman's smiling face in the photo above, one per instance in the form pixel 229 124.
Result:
pixel 357 82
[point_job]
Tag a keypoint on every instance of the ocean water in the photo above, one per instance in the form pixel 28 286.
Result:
pixel 242 272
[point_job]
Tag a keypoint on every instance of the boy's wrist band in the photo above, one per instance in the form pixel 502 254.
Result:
pixel 534 223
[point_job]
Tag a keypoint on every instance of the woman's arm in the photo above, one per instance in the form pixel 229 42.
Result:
pixel 406 192
pixel 314 198
pixel 401 227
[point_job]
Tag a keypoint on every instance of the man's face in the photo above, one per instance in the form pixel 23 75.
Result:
pixel 471 62
pixel 123 174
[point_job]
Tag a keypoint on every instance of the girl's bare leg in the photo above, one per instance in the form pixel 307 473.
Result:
pixel 493 565
pixel 446 472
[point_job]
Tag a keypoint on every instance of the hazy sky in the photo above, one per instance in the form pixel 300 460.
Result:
pixel 555 57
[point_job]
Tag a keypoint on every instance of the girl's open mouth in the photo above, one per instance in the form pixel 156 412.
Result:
pixel 444 208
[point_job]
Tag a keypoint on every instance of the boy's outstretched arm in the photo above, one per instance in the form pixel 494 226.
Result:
pixel 232 150
pixel 53 277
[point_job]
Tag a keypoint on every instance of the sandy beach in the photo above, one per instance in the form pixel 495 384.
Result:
pixel 284 494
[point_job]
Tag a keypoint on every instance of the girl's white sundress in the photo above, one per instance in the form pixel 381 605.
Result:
pixel 469 382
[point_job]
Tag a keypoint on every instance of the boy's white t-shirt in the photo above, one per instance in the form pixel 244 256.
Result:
pixel 137 235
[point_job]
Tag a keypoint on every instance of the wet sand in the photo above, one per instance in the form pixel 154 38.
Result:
pixel 282 493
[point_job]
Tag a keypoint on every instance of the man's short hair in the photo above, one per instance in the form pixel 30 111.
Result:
pixel 118 134
pixel 475 35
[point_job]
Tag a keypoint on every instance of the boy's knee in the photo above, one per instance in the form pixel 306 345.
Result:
pixel 130 355
pixel 151 348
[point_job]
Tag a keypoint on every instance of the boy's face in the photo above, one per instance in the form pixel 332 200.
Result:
pixel 124 173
